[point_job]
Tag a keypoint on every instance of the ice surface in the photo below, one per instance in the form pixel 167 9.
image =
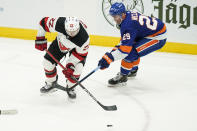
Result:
pixel 163 96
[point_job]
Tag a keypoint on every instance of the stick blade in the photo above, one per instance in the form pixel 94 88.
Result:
pixel 109 108
pixel 8 112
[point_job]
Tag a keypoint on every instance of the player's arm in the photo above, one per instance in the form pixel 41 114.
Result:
pixel 125 45
pixel 76 62
pixel 46 24
pixel 65 44
pixel 78 54
pixel 122 50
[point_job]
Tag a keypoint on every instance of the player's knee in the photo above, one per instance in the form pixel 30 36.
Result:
pixel 78 69
pixel 48 65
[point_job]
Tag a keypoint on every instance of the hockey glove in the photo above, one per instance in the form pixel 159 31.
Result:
pixel 68 72
pixel 105 61
pixel 41 43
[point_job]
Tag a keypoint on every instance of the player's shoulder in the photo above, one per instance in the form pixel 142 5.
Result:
pixel 60 25
pixel 82 37
pixel 127 23
pixel 127 17
pixel 132 16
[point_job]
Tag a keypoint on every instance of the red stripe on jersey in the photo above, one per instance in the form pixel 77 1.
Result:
pixel 40 38
pixel 84 25
pixel 82 54
pixel 45 23
pixel 51 75
pixel 77 55
pixel 47 71
pixel 62 47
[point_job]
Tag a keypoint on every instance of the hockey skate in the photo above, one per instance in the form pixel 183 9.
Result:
pixel 133 73
pixel 118 80
pixel 49 87
pixel 71 93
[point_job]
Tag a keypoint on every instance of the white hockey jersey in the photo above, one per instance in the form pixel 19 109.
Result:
pixel 78 44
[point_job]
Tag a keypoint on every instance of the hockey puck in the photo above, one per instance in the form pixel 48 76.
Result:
pixel 109 125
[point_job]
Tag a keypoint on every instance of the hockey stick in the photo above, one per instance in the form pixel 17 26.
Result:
pixel 107 108
pixel 85 77
pixel 8 112
pixel 65 89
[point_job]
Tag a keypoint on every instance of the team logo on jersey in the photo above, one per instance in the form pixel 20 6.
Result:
pixel 131 5
pixel 62 47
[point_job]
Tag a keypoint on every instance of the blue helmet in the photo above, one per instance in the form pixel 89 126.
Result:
pixel 117 9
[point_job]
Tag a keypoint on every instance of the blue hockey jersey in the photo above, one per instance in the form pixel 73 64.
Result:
pixel 136 26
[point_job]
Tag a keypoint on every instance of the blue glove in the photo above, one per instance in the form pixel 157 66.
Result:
pixel 105 61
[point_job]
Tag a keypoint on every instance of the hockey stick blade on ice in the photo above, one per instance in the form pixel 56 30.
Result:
pixel 107 108
pixel 8 112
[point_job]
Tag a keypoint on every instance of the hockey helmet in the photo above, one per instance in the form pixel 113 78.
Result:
pixel 117 9
pixel 72 26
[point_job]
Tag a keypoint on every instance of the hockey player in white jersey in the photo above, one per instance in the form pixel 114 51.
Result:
pixel 72 38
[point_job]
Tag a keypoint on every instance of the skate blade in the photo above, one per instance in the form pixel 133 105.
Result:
pixel 131 78
pixel 49 92
pixel 118 85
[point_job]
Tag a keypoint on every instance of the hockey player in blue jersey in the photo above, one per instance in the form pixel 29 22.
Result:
pixel 140 35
